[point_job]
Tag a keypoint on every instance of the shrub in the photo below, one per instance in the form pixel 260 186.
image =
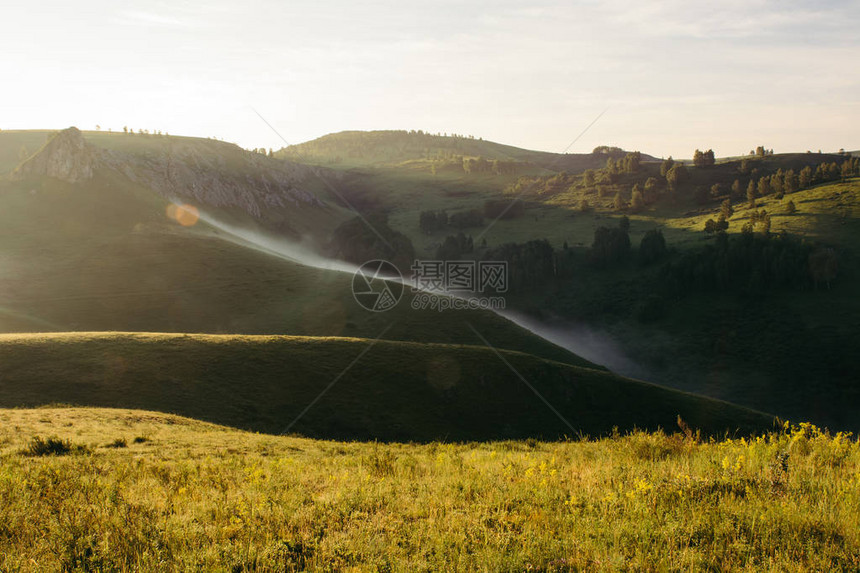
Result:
pixel 52 447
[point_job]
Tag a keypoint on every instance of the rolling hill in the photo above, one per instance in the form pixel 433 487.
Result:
pixel 103 254
pixel 352 388
pixel 348 149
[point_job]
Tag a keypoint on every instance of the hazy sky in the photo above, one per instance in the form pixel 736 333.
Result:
pixel 675 75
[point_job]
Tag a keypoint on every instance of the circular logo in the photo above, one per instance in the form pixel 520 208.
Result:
pixel 377 285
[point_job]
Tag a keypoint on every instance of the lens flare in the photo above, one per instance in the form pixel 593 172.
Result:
pixel 185 214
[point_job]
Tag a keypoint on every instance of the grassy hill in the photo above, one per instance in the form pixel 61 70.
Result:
pixel 788 351
pixel 142 490
pixel 393 391
pixel 103 254
pixel 418 150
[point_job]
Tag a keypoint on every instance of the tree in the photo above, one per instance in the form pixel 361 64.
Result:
pixel 805 178
pixel 610 245
pixel 650 194
pixel 676 176
pixel 619 203
pixel 710 226
pixel 624 223
pixel 763 186
pixel 584 206
pixel 776 183
pixel 790 208
pixel 652 247
pixel 125 129
pixel 716 190
pixel 726 210
pixel 751 194
pixel 666 166
pixel 760 151
pixel 791 182
pixel 736 188
pixel 698 158
pixel 709 158
pixel 823 265
pixel 637 201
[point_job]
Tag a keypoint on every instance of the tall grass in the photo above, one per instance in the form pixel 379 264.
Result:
pixel 200 497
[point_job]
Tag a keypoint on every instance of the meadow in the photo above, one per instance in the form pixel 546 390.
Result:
pixel 124 490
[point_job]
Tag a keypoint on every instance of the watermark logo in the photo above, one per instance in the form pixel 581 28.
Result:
pixel 438 285
pixel 377 286
pixel 453 277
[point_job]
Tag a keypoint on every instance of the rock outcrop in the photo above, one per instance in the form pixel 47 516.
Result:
pixel 204 172
pixel 66 156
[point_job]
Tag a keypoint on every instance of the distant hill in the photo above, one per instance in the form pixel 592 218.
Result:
pixel 288 198
pixel 378 148
pixel 393 391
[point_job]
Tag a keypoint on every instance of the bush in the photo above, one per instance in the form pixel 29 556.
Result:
pixel 117 443
pixel 52 447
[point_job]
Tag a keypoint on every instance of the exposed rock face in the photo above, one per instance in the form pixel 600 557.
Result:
pixel 67 156
pixel 254 185
pixel 204 172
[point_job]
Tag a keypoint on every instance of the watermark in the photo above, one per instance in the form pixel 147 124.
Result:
pixel 455 277
pixel 377 285
pixel 427 301
pixel 438 285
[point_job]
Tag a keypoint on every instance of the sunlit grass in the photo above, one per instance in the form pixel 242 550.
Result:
pixel 184 495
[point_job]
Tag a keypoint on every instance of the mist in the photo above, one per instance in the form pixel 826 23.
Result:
pixel 593 345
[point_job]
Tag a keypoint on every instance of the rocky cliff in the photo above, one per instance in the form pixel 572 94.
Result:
pixel 203 172
pixel 65 156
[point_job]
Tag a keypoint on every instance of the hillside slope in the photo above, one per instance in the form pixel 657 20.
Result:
pixel 379 148
pixel 104 254
pixel 356 389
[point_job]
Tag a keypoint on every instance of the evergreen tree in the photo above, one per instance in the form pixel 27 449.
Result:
pixel 751 194
pixel 805 178
pixel 736 188
pixel 791 182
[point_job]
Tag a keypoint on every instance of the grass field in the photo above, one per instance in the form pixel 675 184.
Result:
pixel 140 490
pixel 352 388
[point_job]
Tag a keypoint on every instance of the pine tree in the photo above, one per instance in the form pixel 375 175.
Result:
pixel 751 194
pixel 726 210
pixel 805 178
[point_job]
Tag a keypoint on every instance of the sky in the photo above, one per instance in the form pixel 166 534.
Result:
pixel 671 76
